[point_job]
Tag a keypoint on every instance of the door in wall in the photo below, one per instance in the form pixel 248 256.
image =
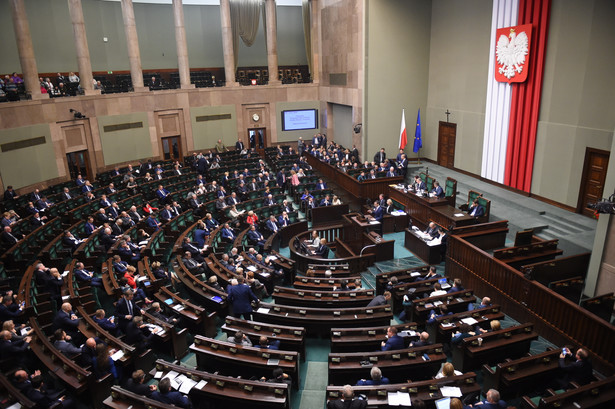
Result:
pixel 172 148
pixel 79 164
pixel 592 179
pixel 446 144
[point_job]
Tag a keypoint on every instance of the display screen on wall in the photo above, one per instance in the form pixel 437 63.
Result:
pixel 299 119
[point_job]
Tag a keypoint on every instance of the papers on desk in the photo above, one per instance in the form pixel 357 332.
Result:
pixel 265 274
pixel 469 321
pixel 187 385
pixel 252 268
pixel 407 333
pixel 448 325
pixel 398 213
pixel 399 399
pixel 273 257
pixel 434 242
pixel 374 222
pixel 158 375
pixel 201 384
pixel 179 307
pixel 273 362
pixel 436 303
pixel 118 355
pixel 64 274
pixel 450 391
pixel 444 403
pixel 262 310
pixel 171 375
pixel 15 405
pixel 415 274
pixel 156 329
pixel 459 215
pixel 24 331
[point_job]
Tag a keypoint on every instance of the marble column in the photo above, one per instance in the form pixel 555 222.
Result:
pixel 272 42
pixel 227 43
pixel 132 43
pixel 315 41
pixel 182 47
pixel 25 49
pixel 81 45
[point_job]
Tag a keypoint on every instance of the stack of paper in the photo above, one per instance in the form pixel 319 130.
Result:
pixel 469 321
pixel 399 399
pixel 118 355
pixel 262 310
pixel 451 391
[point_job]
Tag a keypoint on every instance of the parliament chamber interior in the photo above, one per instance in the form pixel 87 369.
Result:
pixel 212 203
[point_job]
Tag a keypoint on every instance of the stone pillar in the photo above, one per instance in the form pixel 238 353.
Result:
pixel 132 42
pixel 182 47
pixel 272 42
pixel 26 52
pixel 227 43
pixel 81 45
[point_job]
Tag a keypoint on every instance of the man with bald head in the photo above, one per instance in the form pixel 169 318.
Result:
pixel 348 401
pixel 66 320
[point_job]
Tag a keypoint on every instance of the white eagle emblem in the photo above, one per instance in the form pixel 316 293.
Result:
pixel 511 52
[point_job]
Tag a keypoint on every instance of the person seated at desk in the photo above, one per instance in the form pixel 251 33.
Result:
pixel 484 303
pixel 465 331
pixel 434 315
pixel 423 340
pixel 437 190
pixel 457 286
pixel 376 378
pixel 311 204
pixel 255 237
pixel 447 369
pixel 418 184
pixel 391 173
pixel 343 285
pixel 580 371
pixel 494 325
pixel 393 341
pixel 493 401
pixel 314 240
pixel 322 251
pixel 136 384
pixel 348 401
pixel 431 274
pixel 108 324
pixel 475 209
pixel 321 185
pixel 379 300
pixel 240 338
pixel 263 342
pixel 361 176
pixel 326 201
pixel 164 394
pixel 432 230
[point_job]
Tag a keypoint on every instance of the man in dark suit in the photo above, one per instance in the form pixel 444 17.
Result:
pixel 326 201
pixel 347 401
pixel 580 371
pixel 321 185
pixel 432 229
pixel 152 222
pixel 66 320
pixel 196 268
pixel 126 309
pixel 241 296
pixel 272 224
pixel 63 344
pixel 227 232
pixel 423 340
pixel 10 194
pixel 66 194
pixel 239 145
pixel 136 384
pixel 380 156
pixel 437 190
pixel 476 210
pixel 269 201
pixel 163 195
pixel 138 334
pixel 493 401
pixel 195 252
pixel 391 173
pixel 86 276
pixel 322 250
pixel 283 220
pixel 255 238
pixel 166 395
pixel 44 398
pixel 393 341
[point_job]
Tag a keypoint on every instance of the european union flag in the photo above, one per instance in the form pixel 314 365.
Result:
pixel 418 142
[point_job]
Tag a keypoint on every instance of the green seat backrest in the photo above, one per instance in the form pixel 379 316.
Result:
pixel 450 187
pixel 472 195
pixel 483 202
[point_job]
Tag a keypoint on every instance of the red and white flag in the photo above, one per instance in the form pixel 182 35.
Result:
pixel 403 138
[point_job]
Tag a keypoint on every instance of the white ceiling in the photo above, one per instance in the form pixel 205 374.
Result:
pixel 210 2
